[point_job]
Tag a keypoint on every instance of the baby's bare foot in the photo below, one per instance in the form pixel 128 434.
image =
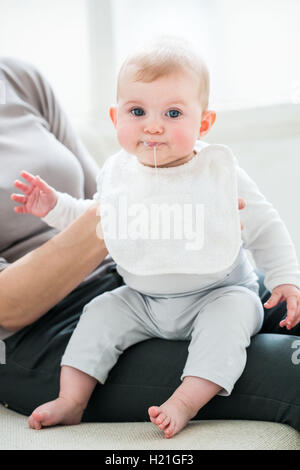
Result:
pixel 171 416
pixel 59 411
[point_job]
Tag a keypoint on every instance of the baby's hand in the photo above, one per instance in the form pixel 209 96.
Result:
pixel 39 197
pixel 291 294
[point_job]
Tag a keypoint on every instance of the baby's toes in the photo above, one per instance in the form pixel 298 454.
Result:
pixel 42 417
pixel 164 423
pixel 154 412
pixel 169 431
pixel 160 418
pixel 34 423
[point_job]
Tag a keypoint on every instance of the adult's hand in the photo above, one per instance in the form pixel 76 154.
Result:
pixel 241 206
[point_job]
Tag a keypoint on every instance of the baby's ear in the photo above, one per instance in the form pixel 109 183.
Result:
pixel 207 121
pixel 113 114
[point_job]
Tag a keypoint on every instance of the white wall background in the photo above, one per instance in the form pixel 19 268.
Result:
pixel 52 35
pixel 252 50
pixel 252 47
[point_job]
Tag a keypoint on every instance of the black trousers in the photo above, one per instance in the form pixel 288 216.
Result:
pixel 148 372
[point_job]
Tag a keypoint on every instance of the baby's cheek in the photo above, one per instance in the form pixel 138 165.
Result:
pixel 184 139
pixel 125 137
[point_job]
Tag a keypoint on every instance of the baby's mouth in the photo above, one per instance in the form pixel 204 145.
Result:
pixel 152 144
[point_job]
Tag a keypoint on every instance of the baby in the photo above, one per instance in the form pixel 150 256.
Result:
pixel 197 285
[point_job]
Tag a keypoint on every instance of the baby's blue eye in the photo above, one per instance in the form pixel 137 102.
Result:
pixel 173 113
pixel 137 112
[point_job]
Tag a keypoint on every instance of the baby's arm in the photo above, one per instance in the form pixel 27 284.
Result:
pixel 266 236
pixel 268 239
pixel 68 208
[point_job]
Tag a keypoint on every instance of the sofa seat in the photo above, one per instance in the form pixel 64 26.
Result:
pixel 202 435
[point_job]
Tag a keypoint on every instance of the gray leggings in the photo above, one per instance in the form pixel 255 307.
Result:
pixel 218 320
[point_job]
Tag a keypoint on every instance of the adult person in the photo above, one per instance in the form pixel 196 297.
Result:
pixel 45 282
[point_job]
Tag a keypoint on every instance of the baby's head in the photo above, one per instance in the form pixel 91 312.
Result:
pixel 162 100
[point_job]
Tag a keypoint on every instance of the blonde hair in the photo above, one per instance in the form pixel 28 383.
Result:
pixel 164 56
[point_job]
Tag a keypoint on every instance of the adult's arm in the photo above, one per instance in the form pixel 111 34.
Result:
pixel 33 284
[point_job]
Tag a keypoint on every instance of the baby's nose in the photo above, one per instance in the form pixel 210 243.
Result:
pixel 153 127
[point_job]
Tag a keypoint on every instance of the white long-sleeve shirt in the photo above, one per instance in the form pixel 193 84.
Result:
pixel 264 234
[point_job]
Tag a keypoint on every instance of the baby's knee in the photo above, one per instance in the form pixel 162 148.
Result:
pixel 245 310
pixel 236 312
pixel 99 309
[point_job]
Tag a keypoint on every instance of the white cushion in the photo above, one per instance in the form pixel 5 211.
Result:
pixel 209 435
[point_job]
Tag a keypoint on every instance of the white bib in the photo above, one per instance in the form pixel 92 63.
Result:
pixel 182 219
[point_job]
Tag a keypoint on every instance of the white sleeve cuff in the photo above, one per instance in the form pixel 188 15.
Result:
pixel 67 209
pixel 270 285
pixel 57 213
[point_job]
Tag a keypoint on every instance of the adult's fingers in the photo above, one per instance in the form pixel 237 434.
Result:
pixel 241 203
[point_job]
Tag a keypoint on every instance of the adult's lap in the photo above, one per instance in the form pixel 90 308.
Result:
pixel 148 372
